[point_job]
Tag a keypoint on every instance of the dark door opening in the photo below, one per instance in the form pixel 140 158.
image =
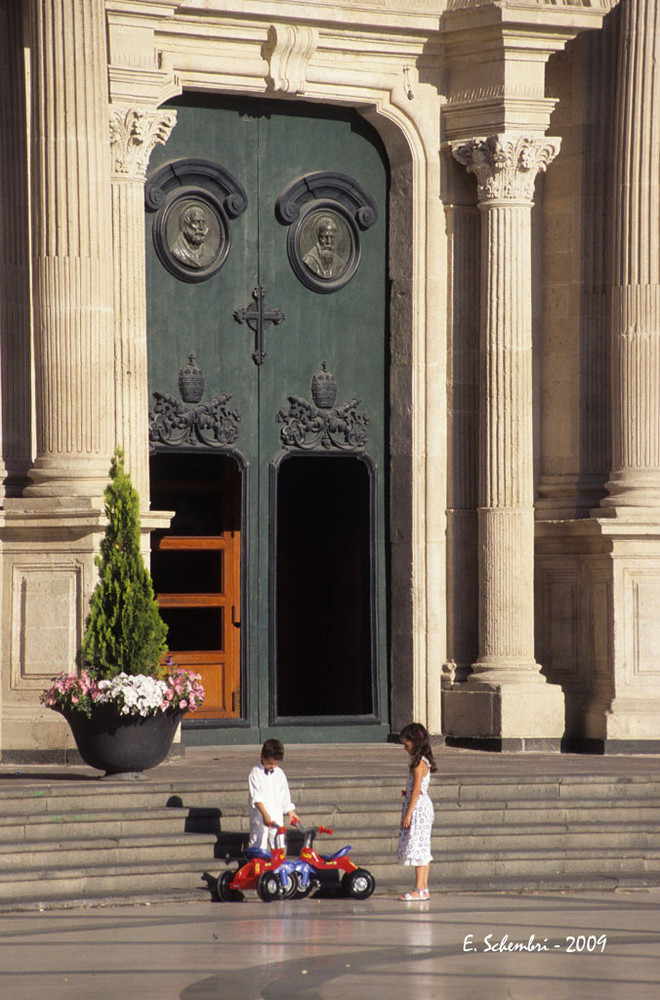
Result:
pixel 195 566
pixel 324 580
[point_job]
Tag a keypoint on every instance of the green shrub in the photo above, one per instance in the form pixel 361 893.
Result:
pixel 124 629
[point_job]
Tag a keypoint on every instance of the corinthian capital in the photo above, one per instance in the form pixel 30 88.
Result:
pixel 133 134
pixel 506 165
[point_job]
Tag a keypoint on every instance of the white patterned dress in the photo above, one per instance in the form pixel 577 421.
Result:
pixel 415 842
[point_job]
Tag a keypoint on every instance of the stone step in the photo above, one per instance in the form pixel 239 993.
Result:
pixel 103 851
pixel 96 882
pixel 493 815
pixel 453 863
pixel 489 793
pixel 154 840
pixel 341 796
pixel 367 844
pixel 91 824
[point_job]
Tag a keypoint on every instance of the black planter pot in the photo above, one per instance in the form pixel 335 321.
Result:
pixel 117 743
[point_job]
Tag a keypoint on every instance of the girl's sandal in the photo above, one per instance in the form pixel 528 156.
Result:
pixel 415 896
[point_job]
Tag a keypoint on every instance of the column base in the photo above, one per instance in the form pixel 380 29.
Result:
pixel 518 717
pixel 68 477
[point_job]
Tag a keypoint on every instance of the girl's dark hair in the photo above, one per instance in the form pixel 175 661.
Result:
pixel 419 738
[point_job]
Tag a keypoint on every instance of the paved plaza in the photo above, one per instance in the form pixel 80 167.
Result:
pixel 496 946
pixel 594 946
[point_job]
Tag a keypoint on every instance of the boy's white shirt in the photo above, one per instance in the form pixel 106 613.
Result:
pixel 273 791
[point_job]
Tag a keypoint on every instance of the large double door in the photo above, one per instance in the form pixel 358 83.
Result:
pixel 267 326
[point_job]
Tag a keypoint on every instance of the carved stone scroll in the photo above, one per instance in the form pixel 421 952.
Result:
pixel 288 51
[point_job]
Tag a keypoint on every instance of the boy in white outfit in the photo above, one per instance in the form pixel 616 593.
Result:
pixel 269 796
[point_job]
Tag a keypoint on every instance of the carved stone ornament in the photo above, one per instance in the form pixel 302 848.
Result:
pixel 506 165
pixel 325 212
pixel 177 423
pixel 133 134
pixel 194 201
pixel 320 424
pixel 288 50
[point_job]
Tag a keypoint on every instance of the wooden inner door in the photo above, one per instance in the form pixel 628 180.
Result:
pixel 196 572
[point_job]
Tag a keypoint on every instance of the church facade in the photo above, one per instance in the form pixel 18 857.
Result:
pixel 369 296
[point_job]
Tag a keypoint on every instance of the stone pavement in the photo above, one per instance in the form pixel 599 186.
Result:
pixel 592 946
pixel 348 760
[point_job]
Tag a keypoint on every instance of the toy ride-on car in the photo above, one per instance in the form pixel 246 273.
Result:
pixel 265 871
pixel 329 871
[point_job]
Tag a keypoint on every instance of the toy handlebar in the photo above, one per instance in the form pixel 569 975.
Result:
pixel 312 829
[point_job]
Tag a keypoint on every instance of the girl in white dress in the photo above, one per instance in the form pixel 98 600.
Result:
pixel 417 811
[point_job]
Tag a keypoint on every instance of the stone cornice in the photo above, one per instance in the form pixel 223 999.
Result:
pixel 599 5
pixel 495 57
pixel 506 165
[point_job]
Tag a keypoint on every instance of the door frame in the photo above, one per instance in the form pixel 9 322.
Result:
pixel 396 90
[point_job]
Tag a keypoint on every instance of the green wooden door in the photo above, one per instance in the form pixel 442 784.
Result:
pixel 298 476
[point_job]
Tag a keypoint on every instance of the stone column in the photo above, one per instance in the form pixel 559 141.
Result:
pixel 134 133
pixel 506 167
pixel 463 227
pixel 634 484
pixel 15 380
pixel 71 247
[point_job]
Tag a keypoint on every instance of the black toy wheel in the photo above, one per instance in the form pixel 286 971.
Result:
pixel 300 892
pixel 223 890
pixel 268 886
pixel 290 887
pixel 358 884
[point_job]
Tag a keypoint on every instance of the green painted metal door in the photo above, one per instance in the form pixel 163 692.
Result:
pixel 308 483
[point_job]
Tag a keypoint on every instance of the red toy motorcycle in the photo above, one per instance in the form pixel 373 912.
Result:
pixel 261 872
pixel 324 871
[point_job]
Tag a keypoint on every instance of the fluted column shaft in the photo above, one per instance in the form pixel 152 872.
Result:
pixel 15 380
pixel 464 224
pixel 72 259
pixel 506 168
pixel 635 477
pixel 134 133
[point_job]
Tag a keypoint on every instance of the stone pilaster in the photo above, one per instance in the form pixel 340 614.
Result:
pixel 634 484
pixel 15 382
pixel 134 133
pixel 512 700
pixel 72 258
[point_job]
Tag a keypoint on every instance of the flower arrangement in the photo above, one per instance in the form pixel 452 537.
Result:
pixel 137 695
pixel 122 653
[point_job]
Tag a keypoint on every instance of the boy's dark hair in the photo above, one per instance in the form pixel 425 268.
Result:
pixel 421 742
pixel 273 750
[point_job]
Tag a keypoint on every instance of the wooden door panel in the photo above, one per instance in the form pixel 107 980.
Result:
pixel 220 687
pixel 219 611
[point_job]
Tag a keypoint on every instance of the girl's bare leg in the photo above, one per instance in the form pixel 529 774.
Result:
pixel 422 877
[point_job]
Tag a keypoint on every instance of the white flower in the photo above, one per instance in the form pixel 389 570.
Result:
pixel 133 695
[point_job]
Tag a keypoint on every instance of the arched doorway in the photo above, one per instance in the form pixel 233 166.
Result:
pixel 288 305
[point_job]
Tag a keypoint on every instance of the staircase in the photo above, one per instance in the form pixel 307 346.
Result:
pixel 76 843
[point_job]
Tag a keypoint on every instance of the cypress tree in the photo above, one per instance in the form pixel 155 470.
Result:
pixel 124 630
